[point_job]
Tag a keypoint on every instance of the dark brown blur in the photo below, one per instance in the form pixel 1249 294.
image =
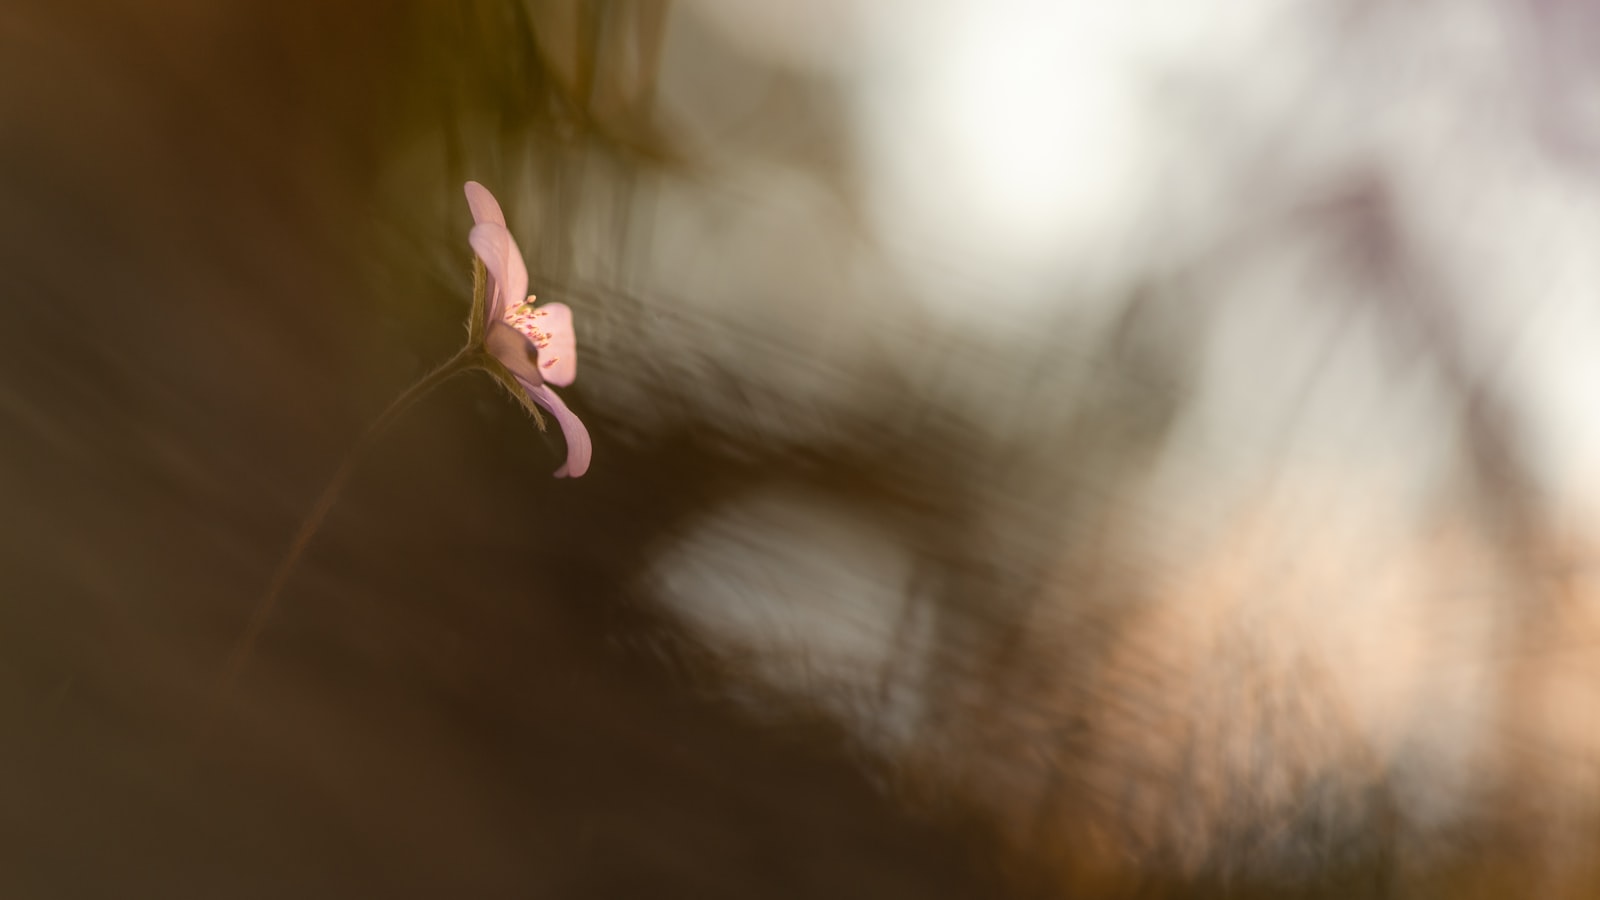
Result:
pixel 1208 537
pixel 445 705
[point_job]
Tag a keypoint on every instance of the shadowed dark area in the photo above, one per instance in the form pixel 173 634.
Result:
pixel 446 702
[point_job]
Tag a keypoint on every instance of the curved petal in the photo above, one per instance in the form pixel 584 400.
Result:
pixel 484 207
pixel 557 344
pixel 511 348
pixel 508 274
pixel 579 448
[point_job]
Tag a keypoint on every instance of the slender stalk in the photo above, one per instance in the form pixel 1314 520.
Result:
pixel 464 361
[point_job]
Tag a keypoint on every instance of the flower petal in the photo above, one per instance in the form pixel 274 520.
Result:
pixel 558 351
pixel 579 448
pixel 484 207
pixel 508 274
pixel 512 349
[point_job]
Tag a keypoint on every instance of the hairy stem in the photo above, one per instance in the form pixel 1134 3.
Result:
pixel 464 361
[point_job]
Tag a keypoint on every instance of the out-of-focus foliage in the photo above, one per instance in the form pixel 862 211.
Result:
pixel 1153 444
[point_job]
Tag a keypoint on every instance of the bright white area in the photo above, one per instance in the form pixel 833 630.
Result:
pixel 1020 165
pixel 810 599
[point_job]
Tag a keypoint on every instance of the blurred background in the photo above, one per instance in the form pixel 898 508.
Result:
pixel 1041 449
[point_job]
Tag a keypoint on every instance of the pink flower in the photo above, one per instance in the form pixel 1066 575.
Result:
pixel 536 344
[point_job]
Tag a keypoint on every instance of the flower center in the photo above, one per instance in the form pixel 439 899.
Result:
pixel 525 319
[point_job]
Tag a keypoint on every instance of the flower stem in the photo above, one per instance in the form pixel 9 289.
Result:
pixel 464 361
